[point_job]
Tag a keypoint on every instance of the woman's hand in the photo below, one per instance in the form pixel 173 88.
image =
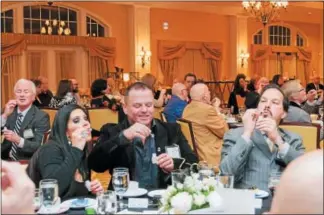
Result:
pixel 96 186
pixel 79 137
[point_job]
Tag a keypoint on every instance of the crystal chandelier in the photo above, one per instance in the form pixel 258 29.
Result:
pixel 265 11
pixel 55 26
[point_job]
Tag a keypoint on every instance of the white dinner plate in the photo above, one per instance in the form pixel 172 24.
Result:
pixel 63 208
pixel 260 194
pixel 156 193
pixel 79 203
pixel 135 192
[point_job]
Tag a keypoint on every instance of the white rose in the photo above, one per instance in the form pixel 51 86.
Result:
pixel 198 186
pixel 214 200
pixel 182 202
pixel 189 182
pixel 199 199
pixel 195 176
pixel 179 186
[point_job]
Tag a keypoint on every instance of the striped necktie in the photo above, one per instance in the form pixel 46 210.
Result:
pixel 14 147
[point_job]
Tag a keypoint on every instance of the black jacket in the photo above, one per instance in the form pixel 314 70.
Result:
pixel 113 151
pixel 311 86
pixel 252 100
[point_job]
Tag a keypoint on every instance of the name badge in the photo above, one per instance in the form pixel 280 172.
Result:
pixel 137 203
pixel 28 133
pixel 173 151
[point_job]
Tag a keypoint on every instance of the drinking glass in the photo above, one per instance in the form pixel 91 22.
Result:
pixel 321 112
pixel 120 181
pixel 107 202
pixel 225 181
pixel 177 177
pixel 37 199
pixel 274 181
pixel 49 193
pixel 241 111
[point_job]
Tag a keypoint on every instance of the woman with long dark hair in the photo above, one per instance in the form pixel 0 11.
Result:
pixel 63 96
pixel 278 80
pixel 239 89
pixel 64 156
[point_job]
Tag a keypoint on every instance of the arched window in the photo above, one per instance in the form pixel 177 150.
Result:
pixel 38 18
pixel 300 40
pixel 279 35
pixel 257 38
pixel 94 29
pixel 7 18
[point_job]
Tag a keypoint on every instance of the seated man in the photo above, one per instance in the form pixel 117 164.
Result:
pixel 312 104
pixel 300 190
pixel 46 95
pixel 315 85
pixel 173 110
pixel 251 152
pixel 208 126
pixel 134 142
pixel 23 124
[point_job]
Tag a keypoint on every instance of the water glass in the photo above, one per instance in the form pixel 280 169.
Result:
pixel 177 177
pixel 49 193
pixel 120 181
pixel 274 181
pixel 225 181
pixel 107 202
pixel 37 199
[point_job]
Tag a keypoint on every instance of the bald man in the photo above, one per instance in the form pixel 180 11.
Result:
pixel 75 90
pixel 300 190
pixel 208 126
pixel 173 110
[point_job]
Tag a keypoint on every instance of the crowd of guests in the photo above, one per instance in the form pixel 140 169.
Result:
pixel 249 153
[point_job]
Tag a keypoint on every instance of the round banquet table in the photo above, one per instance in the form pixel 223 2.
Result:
pixel 266 203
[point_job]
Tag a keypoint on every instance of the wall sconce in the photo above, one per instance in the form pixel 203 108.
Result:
pixel 145 56
pixel 244 57
pixel 126 77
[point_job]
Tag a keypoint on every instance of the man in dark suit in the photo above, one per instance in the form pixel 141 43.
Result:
pixel 46 95
pixel 316 85
pixel 23 124
pixel 141 143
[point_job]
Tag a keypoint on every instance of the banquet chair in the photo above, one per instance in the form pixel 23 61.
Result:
pixel 102 116
pixel 187 130
pixel 45 137
pixel 240 101
pixel 309 132
pixel 156 113
pixel 163 118
pixel 51 112
pixel 321 144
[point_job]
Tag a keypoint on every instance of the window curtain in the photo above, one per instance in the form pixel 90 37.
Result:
pixel 36 64
pixel 65 62
pixel 9 76
pixel 179 58
pixel 98 68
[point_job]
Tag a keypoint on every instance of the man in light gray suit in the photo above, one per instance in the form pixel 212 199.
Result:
pixel 260 147
pixel 296 95
pixel 23 124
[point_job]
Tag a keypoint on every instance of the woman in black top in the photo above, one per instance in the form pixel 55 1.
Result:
pixel 278 80
pixel 63 96
pixel 64 156
pixel 38 102
pixel 239 89
pixel 99 92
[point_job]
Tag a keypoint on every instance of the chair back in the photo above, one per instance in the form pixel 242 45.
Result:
pixel 321 144
pixel 51 112
pixel 240 101
pixel 45 137
pixel 102 116
pixel 186 128
pixel 309 132
pixel 163 117
pixel 156 113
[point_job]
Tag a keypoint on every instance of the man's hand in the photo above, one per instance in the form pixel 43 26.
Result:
pixel 15 182
pixel 9 108
pixel 137 130
pixel 11 136
pixel 269 126
pixel 165 162
pixel 249 119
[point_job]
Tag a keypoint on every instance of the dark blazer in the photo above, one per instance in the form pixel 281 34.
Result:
pixel 113 151
pixel 37 121
pixel 45 98
pixel 311 86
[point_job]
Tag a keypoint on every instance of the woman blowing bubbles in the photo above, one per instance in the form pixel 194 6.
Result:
pixel 64 156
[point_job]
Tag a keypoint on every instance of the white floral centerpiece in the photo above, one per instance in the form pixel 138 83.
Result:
pixel 193 194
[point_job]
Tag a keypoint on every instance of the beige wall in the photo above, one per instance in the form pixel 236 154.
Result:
pixel 189 26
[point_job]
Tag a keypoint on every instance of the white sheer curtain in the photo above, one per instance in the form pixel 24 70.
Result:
pixel 36 64
pixel 65 65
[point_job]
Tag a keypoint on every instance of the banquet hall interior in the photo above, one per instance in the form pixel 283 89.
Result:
pixel 238 50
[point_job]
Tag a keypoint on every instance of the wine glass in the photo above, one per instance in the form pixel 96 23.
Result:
pixel 120 181
pixel 49 194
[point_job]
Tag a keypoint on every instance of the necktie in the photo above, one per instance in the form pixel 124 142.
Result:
pixel 14 147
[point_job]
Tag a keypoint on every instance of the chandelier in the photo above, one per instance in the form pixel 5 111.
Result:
pixel 265 11
pixel 55 26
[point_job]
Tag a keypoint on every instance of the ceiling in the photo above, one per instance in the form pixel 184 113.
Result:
pixel 308 12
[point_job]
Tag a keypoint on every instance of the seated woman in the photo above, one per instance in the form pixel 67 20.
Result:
pixel 64 157
pixel 240 89
pixel 99 89
pixel 63 96
pixel 159 95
